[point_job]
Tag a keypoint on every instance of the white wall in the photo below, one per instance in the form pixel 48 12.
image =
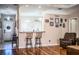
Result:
pixel 73 15
pixel 51 32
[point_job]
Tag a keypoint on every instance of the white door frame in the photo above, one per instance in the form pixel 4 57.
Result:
pixel 70 24
pixel 3 20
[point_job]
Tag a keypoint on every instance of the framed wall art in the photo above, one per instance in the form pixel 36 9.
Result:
pixel 61 20
pixel 57 25
pixel 63 25
pixel 60 24
pixel 46 20
pixel 56 22
pixel 51 23
pixel 51 18
pixel 65 20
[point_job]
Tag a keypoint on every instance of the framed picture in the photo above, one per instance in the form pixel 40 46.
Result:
pixel 51 23
pixel 51 18
pixel 60 24
pixel 56 20
pixel 57 25
pixel 65 20
pixel 63 25
pixel 46 20
pixel 61 20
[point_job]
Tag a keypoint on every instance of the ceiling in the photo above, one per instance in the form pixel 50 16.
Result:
pixel 49 8
pixel 8 9
pixel 42 9
pixel 50 5
pixel 62 5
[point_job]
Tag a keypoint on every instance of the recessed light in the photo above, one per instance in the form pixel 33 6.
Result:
pixel 26 5
pixel 59 8
pixel 39 7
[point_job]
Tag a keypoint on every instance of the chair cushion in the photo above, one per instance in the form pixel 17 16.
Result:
pixel 70 36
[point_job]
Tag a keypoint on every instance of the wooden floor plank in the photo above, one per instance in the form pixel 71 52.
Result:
pixel 54 50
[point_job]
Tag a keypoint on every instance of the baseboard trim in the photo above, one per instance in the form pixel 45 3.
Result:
pixel 43 46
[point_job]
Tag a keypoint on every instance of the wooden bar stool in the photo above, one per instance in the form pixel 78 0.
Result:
pixel 29 41
pixel 38 42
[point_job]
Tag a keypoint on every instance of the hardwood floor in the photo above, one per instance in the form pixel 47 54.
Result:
pixel 54 50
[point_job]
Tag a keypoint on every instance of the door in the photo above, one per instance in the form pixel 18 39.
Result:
pixel 73 23
pixel 8 24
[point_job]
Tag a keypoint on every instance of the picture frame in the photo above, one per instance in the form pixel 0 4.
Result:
pixel 51 18
pixel 46 20
pixel 65 20
pixel 60 24
pixel 61 20
pixel 57 25
pixel 56 20
pixel 63 25
pixel 51 23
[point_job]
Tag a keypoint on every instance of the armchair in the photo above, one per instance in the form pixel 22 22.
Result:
pixel 69 39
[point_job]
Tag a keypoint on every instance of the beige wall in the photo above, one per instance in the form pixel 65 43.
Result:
pixel 51 33
pixel 54 33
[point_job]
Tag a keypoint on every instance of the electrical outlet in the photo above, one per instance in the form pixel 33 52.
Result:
pixel 49 41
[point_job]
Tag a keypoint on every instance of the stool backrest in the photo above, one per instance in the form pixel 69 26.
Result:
pixel 29 35
pixel 39 34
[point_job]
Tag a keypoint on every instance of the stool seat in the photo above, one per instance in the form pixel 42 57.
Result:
pixel 28 38
pixel 37 38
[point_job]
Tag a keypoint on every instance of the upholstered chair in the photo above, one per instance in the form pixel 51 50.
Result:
pixel 69 39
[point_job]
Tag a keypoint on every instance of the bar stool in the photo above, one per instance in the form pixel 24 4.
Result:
pixel 38 42
pixel 29 41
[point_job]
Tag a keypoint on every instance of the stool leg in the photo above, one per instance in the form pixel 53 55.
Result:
pixel 28 43
pixel 37 42
pixel 27 46
pixel 31 45
pixel 37 49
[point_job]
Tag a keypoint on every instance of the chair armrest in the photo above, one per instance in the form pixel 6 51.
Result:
pixel 77 39
pixel 65 40
pixel 62 39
